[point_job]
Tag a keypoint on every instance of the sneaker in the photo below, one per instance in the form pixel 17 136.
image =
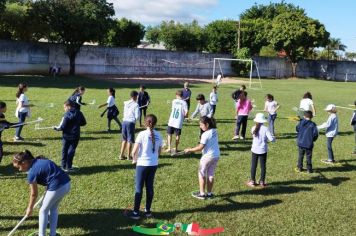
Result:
pixel 148 214
pixel 198 195
pixel 121 157
pixel 18 139
pixel 235 137
pixel 72 169
pixel 242 138
pixel 210 196
pixel 330 162
pixel 262 184
pixel 251 183
pixel 65 169
pixel 133 215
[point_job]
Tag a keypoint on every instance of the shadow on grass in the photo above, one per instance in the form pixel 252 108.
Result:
pixel 321 179
pixel 35 144
pixel 225 121
pixel 91 170
pixel 343 168
pixel 9 172
pixel 237 145
pixel 347 133
pixel 72 82
pixel 82 139
pixel 286 136
pixel 230 207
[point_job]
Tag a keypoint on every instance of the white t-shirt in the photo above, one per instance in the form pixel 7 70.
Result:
pixel 145 155
pixel 271 107
pixel 213 98
pixel 24 100
pixel 179 109
pixel 306 104
pixel 110 101
pixel 210 141
pixel 131 111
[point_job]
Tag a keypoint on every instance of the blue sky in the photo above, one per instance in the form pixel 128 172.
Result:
pixel 337 16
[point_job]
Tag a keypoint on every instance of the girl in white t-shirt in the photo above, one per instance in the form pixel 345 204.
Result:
pixel 23 109
pixel 209 145
pixel 145 154
pixel 213 99
pixel 111 108
pixel 271 107
pixel 307 104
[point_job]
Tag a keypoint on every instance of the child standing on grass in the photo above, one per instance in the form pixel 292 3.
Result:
pixel 23 109
pixel 331 126
pixel 112 110
pixel 143 101
pixel 76 98
pixel 41 171
pixel 214 99
pixel 209 145
pixel 203 109
pixel 187 93
pixel 353 123
pixel 243 108
pixel 261 134
pixel 271 106
pixel 131 114
pixel 70 126
pixel 307 135
pixel 145 155
pixel 4 124
pixel 175 123
pixel 307 104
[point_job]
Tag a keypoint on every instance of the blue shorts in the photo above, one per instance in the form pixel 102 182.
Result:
pixel 171 130
pixel 128 132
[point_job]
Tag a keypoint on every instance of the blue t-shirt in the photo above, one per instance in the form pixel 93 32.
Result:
pixel 45 172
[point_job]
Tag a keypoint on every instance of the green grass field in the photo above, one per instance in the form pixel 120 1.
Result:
pixel 323 203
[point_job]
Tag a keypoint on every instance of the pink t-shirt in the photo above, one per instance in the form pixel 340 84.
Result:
pixel 243 107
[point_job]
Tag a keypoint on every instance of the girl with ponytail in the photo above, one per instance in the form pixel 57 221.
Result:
pixel 22 109
pixel 76 98
pixel 145 154
pixel 41 171
pixel 111 109
pixel 261 134
pixel 209 146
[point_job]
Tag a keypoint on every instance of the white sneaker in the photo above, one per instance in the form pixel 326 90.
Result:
pixel 235 137
pixel 242 138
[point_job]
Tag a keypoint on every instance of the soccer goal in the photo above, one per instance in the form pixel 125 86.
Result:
pixel 218 69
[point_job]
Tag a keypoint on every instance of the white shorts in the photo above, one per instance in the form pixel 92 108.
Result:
pixel 207 166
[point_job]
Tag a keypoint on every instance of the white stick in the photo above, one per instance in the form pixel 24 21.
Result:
pixel 345 108
pixel 39 119
pixel 92 102
pixel 41 128
pixel 24 218
pixel 178 153
pixel 143 106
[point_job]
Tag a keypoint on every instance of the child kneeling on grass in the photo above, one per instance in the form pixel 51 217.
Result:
pixel 145 154
pixel 331 126
pixel 307 135
pixel 209 145
pixel 261 134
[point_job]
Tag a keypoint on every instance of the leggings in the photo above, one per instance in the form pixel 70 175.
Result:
pixel 50 206
pixel 143 112
pixel 68 151
pixel 144 176
pixel 241 120
pixel 22 118
pixel 254 162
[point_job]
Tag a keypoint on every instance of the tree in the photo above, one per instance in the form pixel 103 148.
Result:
pixel 334 45
pixel 351 55
pixel 125 33
pixel 177 36
pixel 16 24
pixel 152 34
pixel 73 22
pixel 295 33
pixel 221 36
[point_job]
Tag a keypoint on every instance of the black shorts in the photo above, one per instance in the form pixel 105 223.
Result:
pixel 172 130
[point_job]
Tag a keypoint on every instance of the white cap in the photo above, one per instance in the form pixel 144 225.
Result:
pixel 260 118
pixel 330 107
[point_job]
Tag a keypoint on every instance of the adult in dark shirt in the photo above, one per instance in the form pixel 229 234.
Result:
pixel 187 93
pixel 143 101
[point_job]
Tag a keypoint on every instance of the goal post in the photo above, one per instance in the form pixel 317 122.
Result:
pixel 217 67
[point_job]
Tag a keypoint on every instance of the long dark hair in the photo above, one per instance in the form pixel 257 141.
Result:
pixel 208 121
pixel 150 122
pixel 270 97
pixel 112 91
pixel 256 131
pixel 25 156
pixel 79 88
pixel 308 95
pixel 20 89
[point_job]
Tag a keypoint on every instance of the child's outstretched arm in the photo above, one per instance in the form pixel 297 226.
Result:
pixel 195 149
pixel 325 124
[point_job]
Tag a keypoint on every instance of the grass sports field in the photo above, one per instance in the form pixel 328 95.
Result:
pixel 323 203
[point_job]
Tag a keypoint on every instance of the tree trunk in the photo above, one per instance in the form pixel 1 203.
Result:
pixel 294 69
pixel 72 57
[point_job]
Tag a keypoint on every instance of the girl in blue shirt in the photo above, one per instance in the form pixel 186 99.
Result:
pixel 44 172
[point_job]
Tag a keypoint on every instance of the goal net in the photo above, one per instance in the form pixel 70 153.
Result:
pixel 251 65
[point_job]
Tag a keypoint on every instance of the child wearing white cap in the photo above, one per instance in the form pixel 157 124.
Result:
pixel 261 135
pixel 331 126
